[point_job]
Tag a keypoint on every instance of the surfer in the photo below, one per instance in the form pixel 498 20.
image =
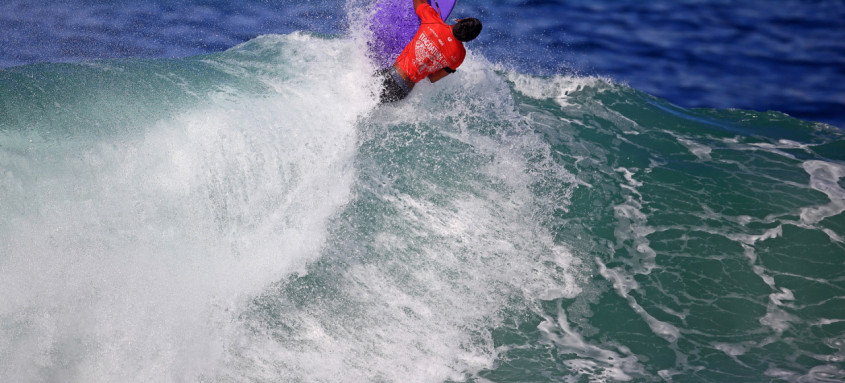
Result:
pixel 435 51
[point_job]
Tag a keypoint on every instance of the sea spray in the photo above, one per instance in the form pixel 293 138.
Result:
pixel 438 247
pixel 253 215
pixel 128 251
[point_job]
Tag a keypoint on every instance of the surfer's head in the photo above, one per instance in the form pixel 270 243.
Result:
pixel 466 29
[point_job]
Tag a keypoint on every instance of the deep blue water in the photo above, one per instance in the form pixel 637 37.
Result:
pixel 787 55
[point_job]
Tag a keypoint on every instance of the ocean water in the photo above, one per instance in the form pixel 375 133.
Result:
pixel 785 56
pixel 252 215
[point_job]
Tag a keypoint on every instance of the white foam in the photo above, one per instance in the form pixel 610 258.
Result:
pixel 632 231
pixel 823 373
pixel 557 87
pixel 699 150
pixel 783 144
pixel 623 284
pixel 777 318
pixel 731 349
pixel 596 363
pixel 415 298
pixel 631 225
pixel 435 281
pixel 826 321
pixel 130 257
pixel 824 177
pixel 629 176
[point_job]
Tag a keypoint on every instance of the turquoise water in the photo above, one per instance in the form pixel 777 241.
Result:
pixel 253 215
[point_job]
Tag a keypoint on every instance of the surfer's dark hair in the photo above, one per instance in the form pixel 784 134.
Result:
pixel 467 29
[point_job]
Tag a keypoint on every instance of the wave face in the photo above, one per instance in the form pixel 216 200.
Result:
pixel 253 215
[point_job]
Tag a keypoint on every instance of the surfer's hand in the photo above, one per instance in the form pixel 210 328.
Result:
pixel 436 76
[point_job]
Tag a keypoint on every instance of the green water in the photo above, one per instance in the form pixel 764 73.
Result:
pixel 252 216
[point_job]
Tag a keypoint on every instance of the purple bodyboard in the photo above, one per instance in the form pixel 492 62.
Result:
pixel 394 23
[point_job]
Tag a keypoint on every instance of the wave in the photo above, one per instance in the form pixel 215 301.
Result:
pixel 253 215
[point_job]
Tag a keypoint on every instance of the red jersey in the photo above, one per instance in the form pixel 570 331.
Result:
pixel 432 48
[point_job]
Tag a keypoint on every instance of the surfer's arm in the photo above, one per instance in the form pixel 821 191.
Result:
pixel 436 76
pixel 417 3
